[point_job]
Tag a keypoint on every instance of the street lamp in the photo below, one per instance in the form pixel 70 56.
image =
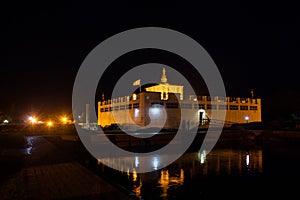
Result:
pixel 64 120
pixel 49 123
pixel 33 120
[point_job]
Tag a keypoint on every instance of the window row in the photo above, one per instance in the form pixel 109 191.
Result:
pixel 183 106
pixel 122 107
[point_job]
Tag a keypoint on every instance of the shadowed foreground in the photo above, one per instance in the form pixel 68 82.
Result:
pixel 42 170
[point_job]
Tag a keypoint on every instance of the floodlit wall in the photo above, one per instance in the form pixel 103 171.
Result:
pixel 138 108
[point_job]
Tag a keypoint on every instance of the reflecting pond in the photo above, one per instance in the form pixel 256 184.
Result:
pixel 265 170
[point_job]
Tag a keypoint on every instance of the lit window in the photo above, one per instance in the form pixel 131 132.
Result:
pixel 134 97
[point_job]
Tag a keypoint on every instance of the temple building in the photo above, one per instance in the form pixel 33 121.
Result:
pixel 153 102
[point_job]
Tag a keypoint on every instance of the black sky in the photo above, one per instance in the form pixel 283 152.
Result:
pixel 255 46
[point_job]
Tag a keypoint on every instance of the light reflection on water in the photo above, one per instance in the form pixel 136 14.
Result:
pixel 29 145
pixel 167 181
pixel 191 166
pixel 28 150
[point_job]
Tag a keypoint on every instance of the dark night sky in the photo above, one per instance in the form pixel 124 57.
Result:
pixel 254 45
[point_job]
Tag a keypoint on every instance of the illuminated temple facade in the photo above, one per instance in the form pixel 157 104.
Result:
pixel 196 110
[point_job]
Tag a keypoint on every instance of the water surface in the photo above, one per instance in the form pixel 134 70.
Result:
pixel 234 173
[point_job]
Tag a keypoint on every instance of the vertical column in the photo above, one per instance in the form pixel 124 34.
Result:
pixel 87 115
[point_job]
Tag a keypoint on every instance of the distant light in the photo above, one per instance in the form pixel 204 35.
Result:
pixel 64 119
pixel 33 120
pixel 246 118
pixel 49 123
pixel 5 121
pixel 247 159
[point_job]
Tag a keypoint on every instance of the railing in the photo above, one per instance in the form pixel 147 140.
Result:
pixel 218 99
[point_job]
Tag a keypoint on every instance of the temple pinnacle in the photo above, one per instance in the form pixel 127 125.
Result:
pixel 164 77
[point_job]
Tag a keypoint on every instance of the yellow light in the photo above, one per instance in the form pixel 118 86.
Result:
pixel 134 175
pixel 33 120
pixel 49 123
pixel 64 119
pixel 134 97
